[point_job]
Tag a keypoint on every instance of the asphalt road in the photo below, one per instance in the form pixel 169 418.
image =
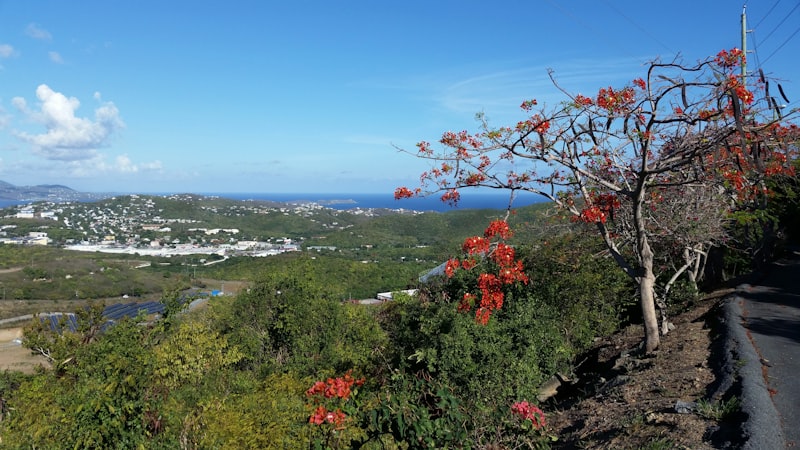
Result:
pixel 769 312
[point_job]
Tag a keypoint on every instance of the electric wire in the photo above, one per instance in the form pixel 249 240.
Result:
pixel 755 48
pixel 782 44
pixel 781 22
pixel 641 28
pixel 767 14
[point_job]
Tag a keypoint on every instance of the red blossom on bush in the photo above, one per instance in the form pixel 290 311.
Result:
pixel 508 269
pixel 337 390
pixel 321 415
pixel 527 411
pixel 466 302
pixel 451 266
pixel 498 228
pixel 339 387
pixel 476 245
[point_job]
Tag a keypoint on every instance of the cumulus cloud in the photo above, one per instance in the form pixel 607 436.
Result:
pixel 56 57
pixel 37 32
pixel 6 51
pixel 67 137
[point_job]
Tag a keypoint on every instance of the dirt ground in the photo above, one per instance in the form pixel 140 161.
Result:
pixel 14 356
pixel 627 400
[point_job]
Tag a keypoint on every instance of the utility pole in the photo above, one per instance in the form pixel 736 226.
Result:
pixel 744 45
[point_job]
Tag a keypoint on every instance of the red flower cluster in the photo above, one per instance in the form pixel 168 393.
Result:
pixel 498 228
pixel 601 207
pixel 404 192
pixel 475 179
pixel 593 214
pixel 616 101
pixel 335 387
pixel 509 269
pixel 424 147
pixel 741 91
pixel 451 197
pixel 582 100
pixel 730 59
pixel 476 245
pixel 527 105
pixel 322 415
pixel 527 411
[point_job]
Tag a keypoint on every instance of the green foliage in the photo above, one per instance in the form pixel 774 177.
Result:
pixel 190 353
pixel 571 273
pixel 272 415
pixel 422 412
pixel 94 399
pixel 234 375
pixel 345 278
pixel 35 273
pixel 292 322
pixel 433 337
pixel 784 203
pixel 48 273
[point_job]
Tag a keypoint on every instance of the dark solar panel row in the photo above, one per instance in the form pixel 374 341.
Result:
pixel 60 322
pixel 122 310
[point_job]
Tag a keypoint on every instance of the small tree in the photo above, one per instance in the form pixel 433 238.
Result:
pixel 613 160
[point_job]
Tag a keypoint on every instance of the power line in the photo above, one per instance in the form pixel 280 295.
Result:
pixel 755 48
pixel 784 43
pixel 768 13
pixel 642 29
pixel 782 21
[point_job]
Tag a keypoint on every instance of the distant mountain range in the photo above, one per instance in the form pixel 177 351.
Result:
pixel 51 192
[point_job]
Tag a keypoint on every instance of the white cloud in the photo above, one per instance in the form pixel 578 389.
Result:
pixel 68 138
pixel 98 166
pixel 6 51
pixel 35 31
pixel 56 57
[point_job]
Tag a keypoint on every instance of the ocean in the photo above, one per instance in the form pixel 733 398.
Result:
pixel 469 200
pixel 495 200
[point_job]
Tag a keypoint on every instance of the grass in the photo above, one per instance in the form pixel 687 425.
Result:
pixel 718 410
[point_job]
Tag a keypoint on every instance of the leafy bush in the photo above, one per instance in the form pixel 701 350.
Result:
pixel 292 322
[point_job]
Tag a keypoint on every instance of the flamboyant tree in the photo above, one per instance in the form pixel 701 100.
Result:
pixel 626 159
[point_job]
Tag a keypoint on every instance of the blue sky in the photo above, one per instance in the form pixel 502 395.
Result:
pixel 312 96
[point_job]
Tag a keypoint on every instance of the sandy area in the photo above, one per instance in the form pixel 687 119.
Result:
pixel 14 356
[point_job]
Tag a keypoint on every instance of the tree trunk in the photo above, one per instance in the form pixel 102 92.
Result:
pixel 647 299
pixel 646 278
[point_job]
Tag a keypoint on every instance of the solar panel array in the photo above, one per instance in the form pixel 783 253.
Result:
pixel 122 310
pixel 58 322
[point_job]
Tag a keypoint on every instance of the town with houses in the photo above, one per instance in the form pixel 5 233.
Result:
pixel 135 225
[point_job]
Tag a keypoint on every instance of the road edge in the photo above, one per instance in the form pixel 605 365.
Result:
pixel 762 427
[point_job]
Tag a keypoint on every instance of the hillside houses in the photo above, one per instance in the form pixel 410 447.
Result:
pixel 138 224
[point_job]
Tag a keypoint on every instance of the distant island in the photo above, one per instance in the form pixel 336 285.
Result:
pixel 45 192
